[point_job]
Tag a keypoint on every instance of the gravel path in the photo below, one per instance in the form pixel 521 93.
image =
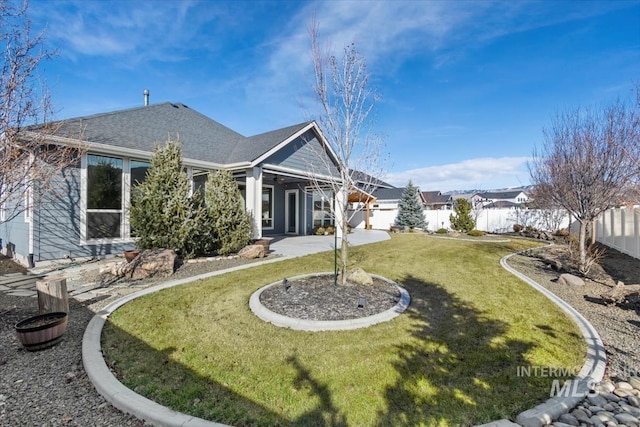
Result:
pixel 50 387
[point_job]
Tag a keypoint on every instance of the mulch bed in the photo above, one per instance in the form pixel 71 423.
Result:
pixel 317 298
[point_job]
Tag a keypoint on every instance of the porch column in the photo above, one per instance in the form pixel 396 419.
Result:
pixel 254 199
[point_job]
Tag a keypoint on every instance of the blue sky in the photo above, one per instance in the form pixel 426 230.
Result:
pixel 467 86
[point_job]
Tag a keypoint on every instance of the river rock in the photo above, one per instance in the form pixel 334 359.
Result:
pixel 597 400
pixel 569 419
pixel 626 418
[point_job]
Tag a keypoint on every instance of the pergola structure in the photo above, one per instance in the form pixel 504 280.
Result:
pixel 359 196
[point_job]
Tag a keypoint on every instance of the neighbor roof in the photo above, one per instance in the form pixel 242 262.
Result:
pixel 435 197
pixel 365 178
pixel 501 194
pixel 388 193
pixel 501 204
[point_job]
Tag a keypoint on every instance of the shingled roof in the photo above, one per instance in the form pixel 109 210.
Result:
pixel 253 147
pixel 202 138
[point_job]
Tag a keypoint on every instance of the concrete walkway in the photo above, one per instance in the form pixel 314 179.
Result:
pixel 73 270
pixel 304 245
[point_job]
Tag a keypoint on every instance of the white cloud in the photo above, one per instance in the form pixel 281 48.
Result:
pixel 486 173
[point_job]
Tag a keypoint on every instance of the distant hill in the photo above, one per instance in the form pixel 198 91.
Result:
pixel 496 190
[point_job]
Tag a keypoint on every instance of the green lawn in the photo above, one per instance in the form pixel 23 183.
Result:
pixel 451 359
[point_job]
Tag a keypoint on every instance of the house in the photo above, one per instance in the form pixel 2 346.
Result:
pixel 504 199
pixel 437 200
pixel 273 171
pixel 389 198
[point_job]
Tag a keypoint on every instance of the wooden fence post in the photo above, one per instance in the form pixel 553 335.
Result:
pixel 52 295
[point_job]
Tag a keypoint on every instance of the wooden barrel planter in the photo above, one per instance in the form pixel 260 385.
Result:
pixel 42 331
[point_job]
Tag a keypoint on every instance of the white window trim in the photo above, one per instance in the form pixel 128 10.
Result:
pixel 271 207
pixel 312 190
pixel 124 219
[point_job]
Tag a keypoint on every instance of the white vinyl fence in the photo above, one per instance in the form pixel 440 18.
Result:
pixel 620 229
pixel 490 220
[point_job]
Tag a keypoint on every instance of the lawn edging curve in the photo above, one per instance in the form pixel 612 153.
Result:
pixel 592 370
pixel 277 319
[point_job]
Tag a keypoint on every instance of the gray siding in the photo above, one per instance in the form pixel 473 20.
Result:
pixel 15 238
pixel 302 154
pixel 57 226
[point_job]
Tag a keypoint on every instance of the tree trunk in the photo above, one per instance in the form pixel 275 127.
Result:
pixel 52 295
pixel 582 248
pixel 344 255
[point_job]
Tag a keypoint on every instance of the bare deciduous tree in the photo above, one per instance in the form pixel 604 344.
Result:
pixel 28 165
pixel 346 102
pixel 581 166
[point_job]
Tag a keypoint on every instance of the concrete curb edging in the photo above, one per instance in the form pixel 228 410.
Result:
pixel 326 325
pixel 113 390
pixel 591 373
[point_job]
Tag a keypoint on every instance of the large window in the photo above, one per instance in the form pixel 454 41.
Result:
pixel 138 171
pixel 322 202
pixel 267 207
pixel 104 197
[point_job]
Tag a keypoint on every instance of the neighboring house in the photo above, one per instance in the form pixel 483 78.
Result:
pixel 273 171
pixel 504 199
pixel 437 200
pixel 476 200
pixel 389 198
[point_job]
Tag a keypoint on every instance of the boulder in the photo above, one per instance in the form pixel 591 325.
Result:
pixel 570 280
pixel 151 263
pixel 619 293
pixel 251 252
pixel 359 277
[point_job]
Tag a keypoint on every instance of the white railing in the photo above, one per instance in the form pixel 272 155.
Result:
pixel 619 228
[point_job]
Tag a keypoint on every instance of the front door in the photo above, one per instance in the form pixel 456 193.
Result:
pixel 291 212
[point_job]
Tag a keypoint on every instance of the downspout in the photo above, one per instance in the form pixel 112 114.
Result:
pixel 31 236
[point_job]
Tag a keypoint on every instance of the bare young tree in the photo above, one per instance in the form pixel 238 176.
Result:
pixel 581 167
pixel 347 103
pixel 28 165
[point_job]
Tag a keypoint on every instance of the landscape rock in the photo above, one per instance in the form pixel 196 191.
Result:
pixel 619 293
pixel 570 280
pixel 151 263
pixel 635 382
pixel 360 277
pixel 251 252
